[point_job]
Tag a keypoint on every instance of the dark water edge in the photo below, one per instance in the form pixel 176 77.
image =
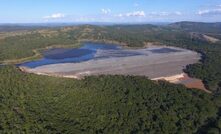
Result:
pixel 165 50
pixel 70 55
pixel 87 51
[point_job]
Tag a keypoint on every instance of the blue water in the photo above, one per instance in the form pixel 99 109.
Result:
pixel 86 52
pixel 164 50
pixel 70 55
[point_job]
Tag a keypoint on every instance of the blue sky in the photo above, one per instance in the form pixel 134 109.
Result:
pixel 35 11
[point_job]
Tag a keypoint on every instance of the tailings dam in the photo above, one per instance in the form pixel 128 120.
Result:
pixel 96 59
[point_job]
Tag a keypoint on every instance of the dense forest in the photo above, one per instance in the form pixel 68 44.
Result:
pixel 105 104
pixel 198 27
pixel 110 104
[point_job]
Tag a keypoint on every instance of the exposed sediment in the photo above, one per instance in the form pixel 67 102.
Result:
pixel 184 79
pixel 149 64
pixel 156 66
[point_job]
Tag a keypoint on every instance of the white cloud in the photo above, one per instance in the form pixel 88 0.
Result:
pixel 105 11
pixel 178 13
pixel 159 13
pixel 136 14
pixel 120 15
pixel 214 10
pixel 210 12
pixel 132 14
pixel 55 16
pixel 163 14
pixel 150 14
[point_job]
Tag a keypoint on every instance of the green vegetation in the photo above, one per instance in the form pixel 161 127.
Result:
pixel 21 46
pixel 198 27
pixel 114 104
pixel 105 104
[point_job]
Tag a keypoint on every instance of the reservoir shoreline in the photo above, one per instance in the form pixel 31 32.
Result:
pixel 155 66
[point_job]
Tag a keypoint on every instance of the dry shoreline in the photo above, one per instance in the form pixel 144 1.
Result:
pixel 175 79
pixel 37 55
pixel 171 66
pixel 185 80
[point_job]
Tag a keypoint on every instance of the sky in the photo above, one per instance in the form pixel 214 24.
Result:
pixel 118 11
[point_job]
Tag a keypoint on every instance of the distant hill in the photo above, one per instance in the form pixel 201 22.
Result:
pixel 7 27
pixel 198 26
pixel 12 28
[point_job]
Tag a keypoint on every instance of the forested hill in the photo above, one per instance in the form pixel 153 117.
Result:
pixel 185 25
pixel 35 104
pixel 13 28
pixel 198 26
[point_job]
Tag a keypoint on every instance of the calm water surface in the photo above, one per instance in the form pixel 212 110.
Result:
pixel 164 50
pixel 86 52
pixel 70 55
